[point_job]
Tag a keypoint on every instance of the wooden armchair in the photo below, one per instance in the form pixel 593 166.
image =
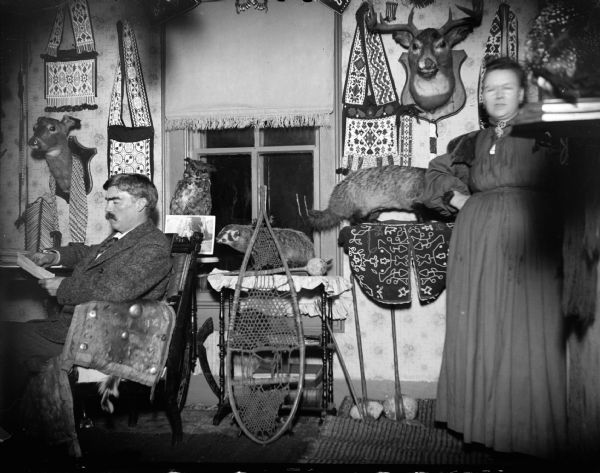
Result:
pixel 161 374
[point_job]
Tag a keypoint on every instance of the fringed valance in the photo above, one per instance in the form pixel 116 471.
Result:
pixel 228 70
pixel 219 122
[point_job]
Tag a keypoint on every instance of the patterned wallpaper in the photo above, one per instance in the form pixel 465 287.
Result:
pixel 420 329
pixel 105 14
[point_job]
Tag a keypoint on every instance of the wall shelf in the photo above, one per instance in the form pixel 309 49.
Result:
pixel 559 118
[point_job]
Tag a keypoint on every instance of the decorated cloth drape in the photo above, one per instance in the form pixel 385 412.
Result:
pixel 78 208
pixel 70 75
pixel 503 41
pixel 130 149
pixel 225 70
pixel 381 255
pixel 95 339
pixel 41 224
pixel 370 103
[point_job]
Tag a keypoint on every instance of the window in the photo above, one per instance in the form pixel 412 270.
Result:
pixel 286 160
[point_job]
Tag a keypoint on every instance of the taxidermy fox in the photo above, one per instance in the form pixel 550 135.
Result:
pixel 365 193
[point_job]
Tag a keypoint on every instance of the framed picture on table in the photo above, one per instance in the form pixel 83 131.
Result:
pixel 186 225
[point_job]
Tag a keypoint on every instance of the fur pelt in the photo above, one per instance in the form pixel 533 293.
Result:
pixel 365 193
pixel 106 388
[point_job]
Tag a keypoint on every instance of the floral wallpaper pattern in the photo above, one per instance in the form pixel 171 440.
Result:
pixel 420 328
pixel 105 14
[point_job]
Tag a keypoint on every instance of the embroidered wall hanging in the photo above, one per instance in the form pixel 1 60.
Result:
pixel 406 140
pixel 371 142
pixel 70 75
pixel 370 102
pixel 381 254
pixel 130 149
pixel 503 41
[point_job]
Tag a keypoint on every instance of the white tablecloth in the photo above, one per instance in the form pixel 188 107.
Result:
pixel 334 286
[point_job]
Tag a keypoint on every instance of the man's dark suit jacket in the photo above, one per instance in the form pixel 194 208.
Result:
pixel 137 266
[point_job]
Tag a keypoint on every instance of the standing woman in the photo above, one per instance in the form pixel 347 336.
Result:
pixel 503 376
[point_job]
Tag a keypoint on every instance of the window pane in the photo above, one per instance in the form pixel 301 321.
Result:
pixel 289 178
pixel 288 136
pixel 231 194
pixel 231 138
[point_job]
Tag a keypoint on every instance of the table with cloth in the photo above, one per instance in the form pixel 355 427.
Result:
pixel 317 296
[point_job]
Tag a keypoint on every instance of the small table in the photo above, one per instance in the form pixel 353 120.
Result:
pixel 330 287
pixel 21 296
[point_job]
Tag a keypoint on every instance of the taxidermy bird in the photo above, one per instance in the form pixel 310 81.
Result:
pixel 297 248
pixel 365 193
pixel 192 194
pixel 563 49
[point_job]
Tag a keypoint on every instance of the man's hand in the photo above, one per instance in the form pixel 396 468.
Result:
pixel 458 199
pixel 44 259
pixel 51 284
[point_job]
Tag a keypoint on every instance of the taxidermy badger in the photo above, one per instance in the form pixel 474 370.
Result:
pixel 365 193
pixel 192 194
pixel 297 248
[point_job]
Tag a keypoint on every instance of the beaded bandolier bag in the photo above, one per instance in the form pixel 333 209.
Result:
pixel 371 105
pixel 265 343
pixel 130 149
pixel 70 75
pixel 503 41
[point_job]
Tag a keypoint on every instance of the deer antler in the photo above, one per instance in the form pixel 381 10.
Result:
pixel 381 26
pixel 473 19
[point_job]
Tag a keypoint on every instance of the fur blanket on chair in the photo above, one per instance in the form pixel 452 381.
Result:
pixel 47 408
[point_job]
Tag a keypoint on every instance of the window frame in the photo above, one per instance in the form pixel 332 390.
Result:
pixel 176 145
pixel 257 163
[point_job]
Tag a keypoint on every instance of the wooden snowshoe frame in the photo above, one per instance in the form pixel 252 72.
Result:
pixel 265 343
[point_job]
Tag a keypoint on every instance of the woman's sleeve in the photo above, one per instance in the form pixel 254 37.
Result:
pixel 441 178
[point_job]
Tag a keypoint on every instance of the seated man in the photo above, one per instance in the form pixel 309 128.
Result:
pixel 133 263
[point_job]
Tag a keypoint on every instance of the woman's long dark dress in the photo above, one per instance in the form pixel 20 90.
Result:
pixel 503 376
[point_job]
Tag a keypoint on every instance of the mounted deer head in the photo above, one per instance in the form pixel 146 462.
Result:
pixel 431 75
pixel 51 141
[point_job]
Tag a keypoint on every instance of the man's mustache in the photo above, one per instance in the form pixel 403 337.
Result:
pixel 109 216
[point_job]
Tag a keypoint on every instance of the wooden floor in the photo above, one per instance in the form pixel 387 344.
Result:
pixel 111 447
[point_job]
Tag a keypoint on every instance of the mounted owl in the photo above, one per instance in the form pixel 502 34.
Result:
pixel 192 194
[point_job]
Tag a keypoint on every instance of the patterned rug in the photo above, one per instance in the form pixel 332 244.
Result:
pixel 345 440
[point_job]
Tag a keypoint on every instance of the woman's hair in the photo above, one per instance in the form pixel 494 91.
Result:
pixel 507 64
pixel 137 185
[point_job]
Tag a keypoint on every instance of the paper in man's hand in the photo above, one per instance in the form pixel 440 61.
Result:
pixel 33 268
